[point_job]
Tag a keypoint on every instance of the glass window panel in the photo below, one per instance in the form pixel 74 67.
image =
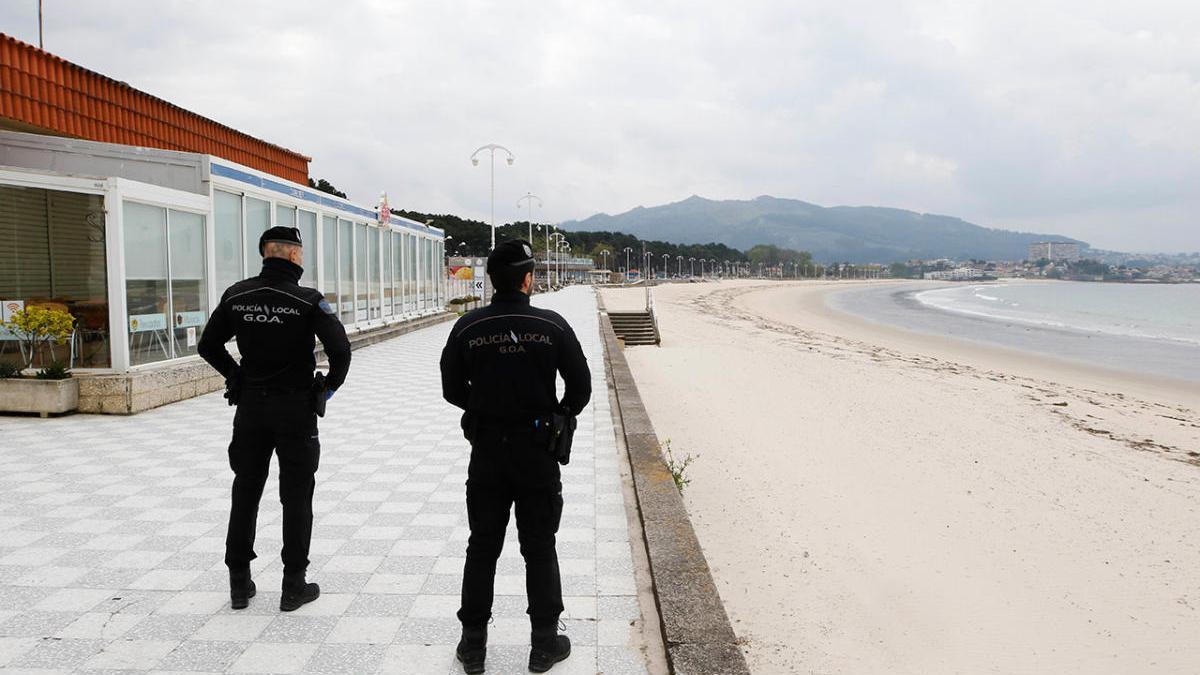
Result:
pixel 346 270
pixel 412 273
pixel 386 249
pixel 285 216
pixel 146 299
pixel 408 264
pixel 373 257
pixel 308 235
pixel 360 272
pixel 397 267
pixel 421 273
pixel 52 254
pixel 424 267
pixel 441 274
pixel 258 219
pixel 227 232
pixel 433 270
pixel 189 295
pixel 329 258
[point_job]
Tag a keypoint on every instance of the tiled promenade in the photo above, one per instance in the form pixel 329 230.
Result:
pixel 112 536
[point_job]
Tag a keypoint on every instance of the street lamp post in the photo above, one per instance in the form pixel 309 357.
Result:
pixel 628 250
pixel 691 267
pixel 666 259
pixel 679 271
pixel 492 148
pixel 557 237
pixel 604 253
pixel 563 247
pixel 529 197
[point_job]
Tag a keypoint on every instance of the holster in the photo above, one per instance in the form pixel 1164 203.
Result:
pixel 320 391
pixel 561 436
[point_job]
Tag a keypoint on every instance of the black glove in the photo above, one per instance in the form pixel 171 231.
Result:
pixel 233 387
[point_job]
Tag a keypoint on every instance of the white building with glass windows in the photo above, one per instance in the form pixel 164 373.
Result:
pixel 138 244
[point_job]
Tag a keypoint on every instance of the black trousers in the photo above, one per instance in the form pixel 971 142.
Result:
pixel 507 470
pixel 282 423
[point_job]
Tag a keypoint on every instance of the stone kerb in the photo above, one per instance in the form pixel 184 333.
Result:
pixel 696 629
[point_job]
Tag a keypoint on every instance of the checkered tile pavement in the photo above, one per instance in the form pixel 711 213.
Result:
pixel 112 536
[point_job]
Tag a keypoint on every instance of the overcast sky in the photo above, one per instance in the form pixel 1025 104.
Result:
pixel 1079 117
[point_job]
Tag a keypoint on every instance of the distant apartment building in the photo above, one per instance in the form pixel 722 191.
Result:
pixel 1054 250
pixel 959 274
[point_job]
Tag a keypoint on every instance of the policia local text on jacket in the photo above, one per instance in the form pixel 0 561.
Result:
pixel 501 361
pixel 275 321
pixel 500 365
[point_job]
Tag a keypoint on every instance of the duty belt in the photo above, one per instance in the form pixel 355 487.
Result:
pixel 275 390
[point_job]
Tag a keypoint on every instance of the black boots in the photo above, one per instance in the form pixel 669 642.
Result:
pixel 547 648
pixel 241 588
pixel 297 592
pixel 472 649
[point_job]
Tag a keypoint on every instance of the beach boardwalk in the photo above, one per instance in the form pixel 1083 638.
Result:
pixel 112 536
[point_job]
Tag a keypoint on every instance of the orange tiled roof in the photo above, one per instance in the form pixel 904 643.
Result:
pixel 44 93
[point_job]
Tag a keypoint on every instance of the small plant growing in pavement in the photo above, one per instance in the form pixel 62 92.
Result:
pixel 678 468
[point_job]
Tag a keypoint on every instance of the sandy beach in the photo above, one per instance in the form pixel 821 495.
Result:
pixel 873 500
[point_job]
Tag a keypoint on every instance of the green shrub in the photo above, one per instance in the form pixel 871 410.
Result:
pixel 57 370
pixel 35 326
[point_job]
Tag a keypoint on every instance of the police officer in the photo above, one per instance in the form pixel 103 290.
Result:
pixel 499 365
pixel 274 320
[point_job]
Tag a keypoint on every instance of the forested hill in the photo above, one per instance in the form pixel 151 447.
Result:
pixel 839 233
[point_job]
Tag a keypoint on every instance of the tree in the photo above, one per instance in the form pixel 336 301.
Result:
pixel 36 326
pixel 326 187
pixel 1090 267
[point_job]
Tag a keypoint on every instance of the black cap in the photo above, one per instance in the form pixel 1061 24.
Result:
pixel 281 234
pixel 510 254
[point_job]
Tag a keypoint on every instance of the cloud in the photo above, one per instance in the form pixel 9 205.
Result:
pixel 1074 117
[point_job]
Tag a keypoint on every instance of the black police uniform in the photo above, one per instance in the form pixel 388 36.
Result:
pixel 275 321
pixel 499 365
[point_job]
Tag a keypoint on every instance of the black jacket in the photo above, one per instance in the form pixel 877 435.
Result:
pixel 500 362
pixel 275 321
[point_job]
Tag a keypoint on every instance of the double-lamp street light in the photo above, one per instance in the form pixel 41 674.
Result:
pixel 492 148
pixel 529 198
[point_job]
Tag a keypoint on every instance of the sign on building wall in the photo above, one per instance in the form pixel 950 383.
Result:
pixel 9 307
pixel 185 319
pixel 477 284
pixel 143 322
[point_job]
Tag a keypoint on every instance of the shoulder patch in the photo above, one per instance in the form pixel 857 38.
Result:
pixel 324 305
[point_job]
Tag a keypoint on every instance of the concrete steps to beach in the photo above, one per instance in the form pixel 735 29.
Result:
pixel 635 328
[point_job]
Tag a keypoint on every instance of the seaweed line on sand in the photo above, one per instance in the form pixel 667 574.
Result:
pixel 721 307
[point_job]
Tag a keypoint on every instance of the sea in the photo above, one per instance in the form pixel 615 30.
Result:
pixel 1149 329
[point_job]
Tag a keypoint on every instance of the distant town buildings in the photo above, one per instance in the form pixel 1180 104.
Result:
pixel 1054 250
pixel 957 274
pixel 1089 265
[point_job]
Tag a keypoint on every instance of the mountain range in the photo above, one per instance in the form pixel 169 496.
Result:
pixel 832 234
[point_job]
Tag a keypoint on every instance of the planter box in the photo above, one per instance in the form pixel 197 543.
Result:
pixel 39 396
